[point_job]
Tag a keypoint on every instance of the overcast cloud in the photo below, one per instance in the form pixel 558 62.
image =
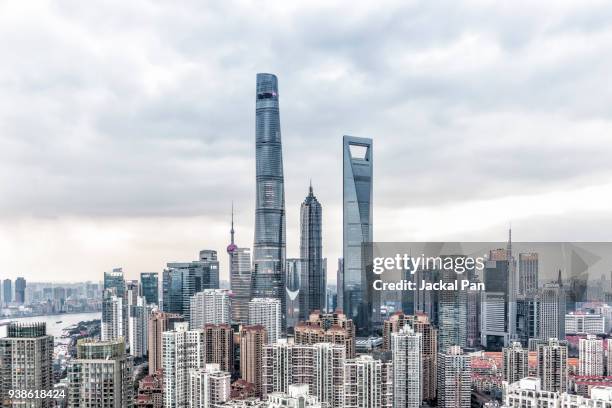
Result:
pixel 127 128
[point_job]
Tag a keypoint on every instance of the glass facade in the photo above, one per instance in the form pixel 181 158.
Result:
pixel 149 284
pixel 268 279
pixel 357 230
pixel 181 280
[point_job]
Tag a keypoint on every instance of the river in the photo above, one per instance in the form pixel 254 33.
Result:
pixel 54 328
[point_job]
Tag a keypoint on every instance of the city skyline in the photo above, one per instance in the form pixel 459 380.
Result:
pixel 91 183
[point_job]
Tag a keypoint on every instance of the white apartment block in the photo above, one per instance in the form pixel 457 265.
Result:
pixel 368 383
pixel 267 313
pixel 591 357
pixel 208 387
pixel 528 393
pixel 211 306
pixel 182 351
pixel 406 347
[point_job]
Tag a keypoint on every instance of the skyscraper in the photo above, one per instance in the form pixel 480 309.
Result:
pixel 210 306
pixel 219 341
pixel 101 375
pixel 313 284
pixel 516 362
pixel 321 366
pixel 114 323
pixel 20 287
pixel 552 366
pixel 7 291
pixel 208 387
pixel 252 341
pixel 591 361
pixel 26 362
pixel 528 273
pixel 159 322
pixel 552 312
pixel 406 347
pixel 138 325
pixel 181 280
pixel 240 278
pixel 114 279
pixel 454 379
pixel 268 280
pixel 267 313
pixel 183 350
pixel 359 303
pixel 327 328
pixel 149 286
pixel 368 383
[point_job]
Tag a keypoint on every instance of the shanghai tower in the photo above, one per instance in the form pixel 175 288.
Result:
pixel 268 279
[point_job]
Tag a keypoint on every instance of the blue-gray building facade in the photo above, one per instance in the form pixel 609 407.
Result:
pixel 268 279
pixel 357 295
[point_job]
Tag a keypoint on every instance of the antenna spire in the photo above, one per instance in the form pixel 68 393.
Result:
pixel 232 230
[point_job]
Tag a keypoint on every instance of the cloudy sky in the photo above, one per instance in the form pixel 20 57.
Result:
pixel 127 128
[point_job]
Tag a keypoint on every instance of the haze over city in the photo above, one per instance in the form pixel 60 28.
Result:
pixel 127 129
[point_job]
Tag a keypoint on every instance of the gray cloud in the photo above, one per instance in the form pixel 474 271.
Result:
pixel 145 109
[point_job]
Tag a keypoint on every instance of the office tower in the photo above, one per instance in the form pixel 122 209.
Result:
pixel 452 314
pixel 454 378
pixel 270 231
pixel 252 341
pixel 267 313
pixel 182 280
pixel 132 291
pixel 552 366
pixel 210 306
pixel 358 298
pixel 26 363
pixel 114 279
pixel 101 375
pixel 150 391
pixel 113 316
pixel 240 278
pixel 159 322
pixel 527 312
pixel 496 300
pixel 296 290
pixel 311 251
pixel 368 383
pixel 182 350
pixel 20 288
pixel 528 273
pixel 138 327
pixel 7 291
pixel 219 341
pixel 516 362
pixel 320 366
pixel 208 387
pixel 584 323
pixel 474 307
pixel 406 347
pixel 297 396
pixel 149 286
pixel 333 328
pixel 591 361
pixel 552 312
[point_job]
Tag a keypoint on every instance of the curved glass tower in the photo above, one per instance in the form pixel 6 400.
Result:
pixel 268 278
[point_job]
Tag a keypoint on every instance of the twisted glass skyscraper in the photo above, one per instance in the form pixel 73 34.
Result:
pixel 268 278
